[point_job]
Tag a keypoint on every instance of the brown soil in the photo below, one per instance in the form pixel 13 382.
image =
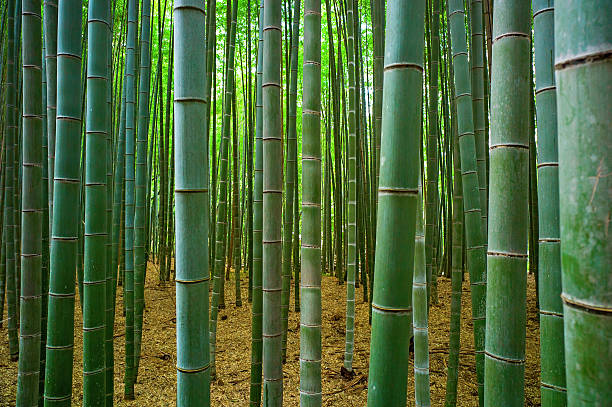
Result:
pixel 156 384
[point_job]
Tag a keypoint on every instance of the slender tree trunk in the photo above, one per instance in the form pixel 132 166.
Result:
pixel 352 192
pixel 140 238
pixel 420 313
pixel 583 66
pixel 310 285
pixel 397 196
pixel 94 277
pixel 11 186
pixel 191 190
pixel 60 332
pixel 50 44
pixel 471 198
pixel 272 205
pixel 431 190
pixel 222 216
pixel 31 218
pixel 456 273
pixel 477 72
pixel 130 122
pixel 553 386
pixel 234 254
pixel 290 176
pixel 257 308
pixel 509 198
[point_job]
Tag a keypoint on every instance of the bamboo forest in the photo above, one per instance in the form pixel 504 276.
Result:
pixel 272 203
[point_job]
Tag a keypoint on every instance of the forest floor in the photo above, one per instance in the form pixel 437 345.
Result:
pixel 156 384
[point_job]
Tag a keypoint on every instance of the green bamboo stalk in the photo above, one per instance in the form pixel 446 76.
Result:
pixel 290 176
pixel 471 197
pixel 45 232
pixel 3 259
pixel 96 232
pixel 397 197
pixel 161 157
pixel 10 187
pixel 249 155
pixel 378 34
pixel 118 192
pixel 352 191
pixel 583 66
pixel 222 216
pixel 31 218
pixel 109 362
pixel 211 83
pixel 272 206
pixel 478 106
pixel 296 244
pixel 64 237
pixel 533 236
pixel 310 283
pixel 50 44
pixel 18 154
pixel 236 211
pixel 170 212
pixel 2 230
pixel 140 239
pixel 191 191
pixel 508 205
pixel 431 190
pixel 456 273
pixel 420 321
pixel 130 122
pixel 257 307
pixel 326 197
pixel 552 361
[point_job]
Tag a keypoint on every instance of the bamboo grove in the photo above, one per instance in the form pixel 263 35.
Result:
pixel 284 145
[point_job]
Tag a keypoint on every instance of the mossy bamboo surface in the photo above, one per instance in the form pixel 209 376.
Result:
pixel 471 197
pixel 310 282
pixel 257 307
pixel 272 206
pixel 64 231
pixel 191 192
pixel 552 361
pixel 508 205
pixel 583 65
pixel 397 198
pixel 31 217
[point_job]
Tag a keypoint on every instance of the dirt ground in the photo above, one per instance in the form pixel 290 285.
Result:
pixel 156 384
